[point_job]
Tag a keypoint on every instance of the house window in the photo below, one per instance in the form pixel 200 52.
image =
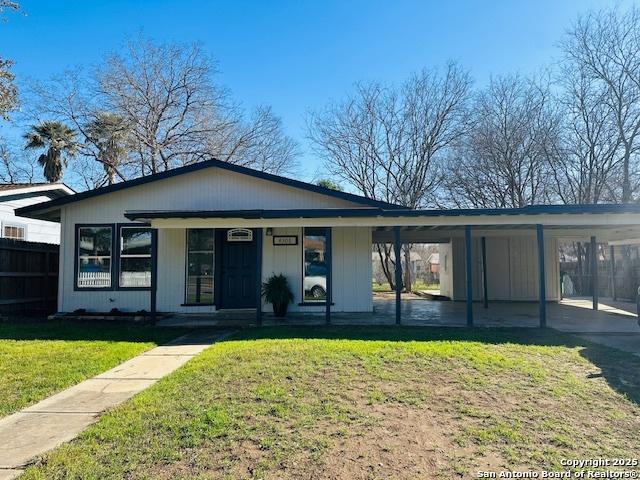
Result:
pixel 199 281
pixel 135 257
pixel 94 250
pixel 17 232
pixel 315 267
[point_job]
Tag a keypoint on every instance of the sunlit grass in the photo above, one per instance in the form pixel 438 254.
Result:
pixel 303 402
pixel 40 358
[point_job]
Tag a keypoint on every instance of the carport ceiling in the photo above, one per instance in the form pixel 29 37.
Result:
pixel 443 234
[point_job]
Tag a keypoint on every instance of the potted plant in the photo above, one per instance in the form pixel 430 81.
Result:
pixel 276 291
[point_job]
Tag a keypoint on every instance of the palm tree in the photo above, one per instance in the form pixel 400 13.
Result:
pixel 60 142
pixel 109 133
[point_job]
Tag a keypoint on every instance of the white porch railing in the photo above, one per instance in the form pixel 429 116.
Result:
pixel 103 279
pixel 135 279
pixel 94 279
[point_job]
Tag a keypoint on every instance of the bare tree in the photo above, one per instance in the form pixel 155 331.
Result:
pixel 166 94
pixel 606 46
pixel 388 142
pixel 8 90
pixel 259 143
pixel 15 168
pixel 170 113
pixel 503 162
pixel 588 156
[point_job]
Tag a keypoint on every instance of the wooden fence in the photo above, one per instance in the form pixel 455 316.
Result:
pixel 28 277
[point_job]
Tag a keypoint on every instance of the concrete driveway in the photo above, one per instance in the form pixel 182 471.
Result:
pixel 628 342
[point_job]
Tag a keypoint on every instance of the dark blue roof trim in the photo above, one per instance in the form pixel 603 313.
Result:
pixel 380 212
pixel 200 166
pixel 257 214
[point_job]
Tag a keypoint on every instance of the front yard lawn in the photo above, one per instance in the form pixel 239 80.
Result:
pixel 39 358
pixel 341 402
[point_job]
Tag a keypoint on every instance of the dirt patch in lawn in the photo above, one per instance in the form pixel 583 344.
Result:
pixel 406 443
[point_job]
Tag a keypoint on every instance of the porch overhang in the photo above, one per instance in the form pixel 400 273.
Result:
pixel 608 222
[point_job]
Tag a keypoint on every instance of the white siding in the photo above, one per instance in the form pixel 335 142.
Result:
pixel 210 189
pixel 351 264
pixel 36 230
pixel 352 270
pixel 446 269
pixel 497 259
pixel 512 272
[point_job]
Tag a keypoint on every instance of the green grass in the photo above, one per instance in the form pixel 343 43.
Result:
pixel 368 403
pixel 39 358
pixel 415 286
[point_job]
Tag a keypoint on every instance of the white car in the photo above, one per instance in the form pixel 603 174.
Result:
pixel 315 281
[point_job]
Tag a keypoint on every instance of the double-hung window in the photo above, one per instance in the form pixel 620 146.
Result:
pixel 94 251
pixel 135 257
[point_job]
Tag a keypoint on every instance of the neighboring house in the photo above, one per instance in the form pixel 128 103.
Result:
pixel 14 196
pixel 202 238
pixel 433 265
pixel 416 263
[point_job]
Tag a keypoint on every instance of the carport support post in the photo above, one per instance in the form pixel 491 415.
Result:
pixel 541 278
pixel 612 254
pixel 485 291
pixel 328 263
pixel 594 272
pixel 397 245
pixel 258 234
pixel 469 274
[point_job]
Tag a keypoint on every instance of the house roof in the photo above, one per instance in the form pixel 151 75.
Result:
pixel 35 211
pixel 52 190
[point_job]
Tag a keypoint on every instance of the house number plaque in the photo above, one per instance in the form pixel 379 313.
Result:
pixel 285 240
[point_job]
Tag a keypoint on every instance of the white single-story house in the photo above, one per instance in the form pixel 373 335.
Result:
pixel 13 196
pixel 202 238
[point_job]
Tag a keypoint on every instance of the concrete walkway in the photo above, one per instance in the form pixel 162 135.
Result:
pixel 31 432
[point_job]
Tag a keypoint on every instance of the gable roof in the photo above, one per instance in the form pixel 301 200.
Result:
pixel 51 190
pixel 54 204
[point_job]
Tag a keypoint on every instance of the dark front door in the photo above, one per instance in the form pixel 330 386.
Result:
pixel 237 273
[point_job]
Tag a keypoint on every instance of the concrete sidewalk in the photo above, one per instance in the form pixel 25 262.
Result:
pixel 31 432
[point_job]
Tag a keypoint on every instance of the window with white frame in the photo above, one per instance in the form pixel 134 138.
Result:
pixel 15 231
pixel 135 257
pixel 94 250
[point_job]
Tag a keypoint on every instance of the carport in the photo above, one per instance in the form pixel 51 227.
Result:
pixel 612 225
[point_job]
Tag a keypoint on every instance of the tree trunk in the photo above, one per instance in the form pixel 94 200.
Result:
pixel 385 260
pixel 626 182
pixel 407 267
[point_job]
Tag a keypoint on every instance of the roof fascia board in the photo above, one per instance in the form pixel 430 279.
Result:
pixel 37 189
pixel 595 220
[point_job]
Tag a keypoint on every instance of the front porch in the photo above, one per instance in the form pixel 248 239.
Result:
pixel 570 315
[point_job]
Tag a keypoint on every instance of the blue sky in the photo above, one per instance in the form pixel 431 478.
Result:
pixel 299 55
